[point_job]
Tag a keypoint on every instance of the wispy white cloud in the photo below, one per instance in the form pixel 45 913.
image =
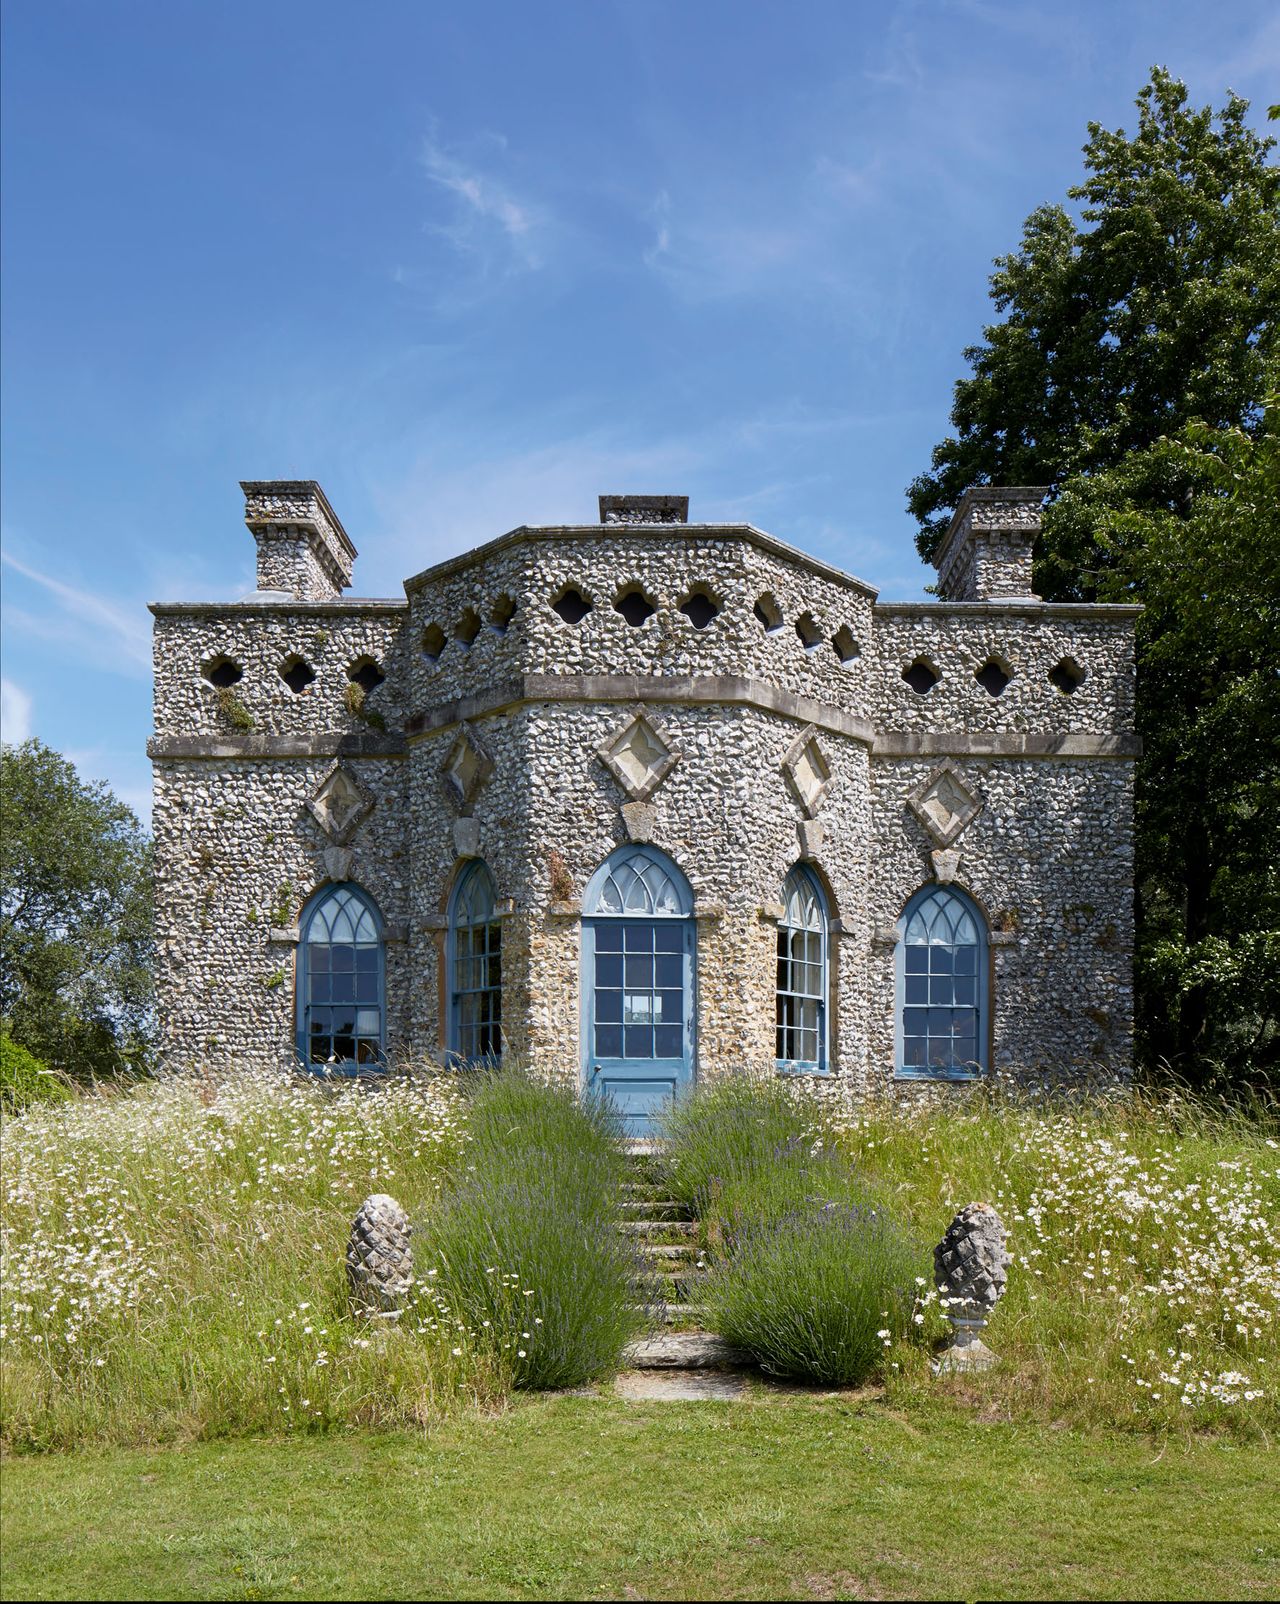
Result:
pixel 85 621
pixel 15 712
pixel 488 216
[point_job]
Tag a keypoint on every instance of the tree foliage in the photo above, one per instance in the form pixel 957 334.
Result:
pixel 1208 794
pixel 1131 373
pixel 1160 306
pixel 75 917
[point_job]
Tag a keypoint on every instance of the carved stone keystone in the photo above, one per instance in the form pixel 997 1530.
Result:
pixel 466 837
pixel 638 820
pixel 337 862
pixel 946 864
pixel 812 833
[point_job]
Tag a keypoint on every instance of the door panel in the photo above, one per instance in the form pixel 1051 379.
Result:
pixel 638 1015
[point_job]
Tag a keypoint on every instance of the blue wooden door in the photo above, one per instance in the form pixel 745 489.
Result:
pixel 639 1016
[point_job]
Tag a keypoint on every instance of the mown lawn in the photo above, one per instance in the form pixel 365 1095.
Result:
pixel 785 1495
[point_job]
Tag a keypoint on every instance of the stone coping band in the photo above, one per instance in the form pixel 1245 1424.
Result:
pixel 1003 606
pixel 648 689
pixel 250 605
pixel 330 743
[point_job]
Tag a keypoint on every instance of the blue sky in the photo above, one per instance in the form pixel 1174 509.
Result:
pixel 470 265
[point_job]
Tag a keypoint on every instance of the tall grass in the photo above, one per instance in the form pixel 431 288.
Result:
pixel 172 1262
pixel 526 1244
pixel 1145 1233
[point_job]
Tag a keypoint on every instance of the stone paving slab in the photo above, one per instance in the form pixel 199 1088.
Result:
pixel 680 1386
pixel 685 1350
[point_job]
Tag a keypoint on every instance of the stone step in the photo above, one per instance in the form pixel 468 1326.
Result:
pixel 681 1228
pixel 683 1251
pixel 676 1313
pixel 664 1208
pixel 685 1350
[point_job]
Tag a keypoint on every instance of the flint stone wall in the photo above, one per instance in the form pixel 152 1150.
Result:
pixel 1048 856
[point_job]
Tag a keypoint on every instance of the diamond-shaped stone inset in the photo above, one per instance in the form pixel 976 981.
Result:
pixel 466 767
pixel 339 803
pixel 944 803
pixel 638 757
pixel 807 770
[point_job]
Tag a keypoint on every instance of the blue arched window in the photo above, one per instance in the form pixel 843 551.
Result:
pixel 802 974
pixel 341 982
pixel 475 967
pixel 942 987
pixel 638 1016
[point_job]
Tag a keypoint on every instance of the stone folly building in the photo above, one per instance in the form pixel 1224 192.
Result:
pixel 643 803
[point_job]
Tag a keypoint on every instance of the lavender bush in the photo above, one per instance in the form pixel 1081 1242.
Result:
pixel 525 1247
pixel 818 1293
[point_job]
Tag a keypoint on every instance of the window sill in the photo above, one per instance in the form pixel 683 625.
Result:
pixel 938 1074
pixel 347 1071
pixel 786 1067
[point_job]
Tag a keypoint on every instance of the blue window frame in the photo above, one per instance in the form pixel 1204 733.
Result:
pixel 942 987
pixel 801 1043
pixel 342 983
pixel 638 1015
pixel 475 968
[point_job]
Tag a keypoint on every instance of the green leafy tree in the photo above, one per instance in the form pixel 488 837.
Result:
pixel 1191 528
pixel 1159 306
pixel 1129 374
pixel 75 917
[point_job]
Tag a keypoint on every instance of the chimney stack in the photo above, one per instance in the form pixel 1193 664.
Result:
pixel 303 551
pixel 644 509
pixel 985 554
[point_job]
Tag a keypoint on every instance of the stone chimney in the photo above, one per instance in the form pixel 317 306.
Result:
pixel 303 551
pixel 644 509
pixel 985 554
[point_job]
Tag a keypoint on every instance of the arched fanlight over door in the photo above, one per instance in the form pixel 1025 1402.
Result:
pixel 802 981
pixel 942 987
pixel 474 961
pixel 341 983
pixel 638 1019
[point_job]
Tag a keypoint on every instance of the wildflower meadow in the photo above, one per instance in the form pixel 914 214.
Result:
pixel 173 1258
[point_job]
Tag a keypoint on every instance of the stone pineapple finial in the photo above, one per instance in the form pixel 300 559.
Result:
pixel 380 1256
pixel 970 1269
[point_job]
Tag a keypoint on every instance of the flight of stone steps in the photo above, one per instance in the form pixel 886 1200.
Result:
pixel 666 1235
